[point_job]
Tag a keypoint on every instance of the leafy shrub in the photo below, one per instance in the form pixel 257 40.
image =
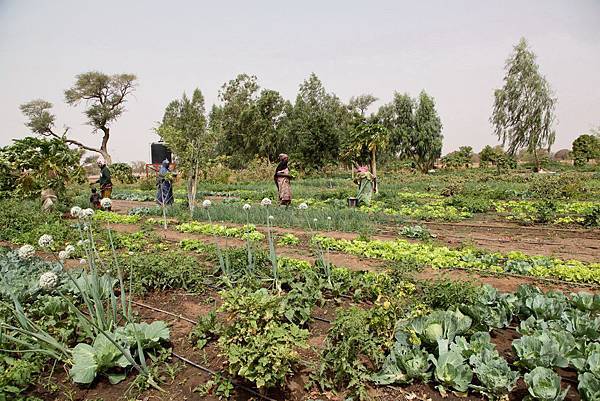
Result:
pixel 122 172
pixel 258 345
pixel 351 354
pixel 31 164
pixel 24 222
pixel 147 184
pixel 445 293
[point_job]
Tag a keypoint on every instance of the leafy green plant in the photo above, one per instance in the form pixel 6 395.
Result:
pixel 494 374
pixel 258 345
pixel 451 371
pixel 417 232
pixel 543 384
pixel 403 365
pixel 351 353
pixel 288 240
pixel 208 328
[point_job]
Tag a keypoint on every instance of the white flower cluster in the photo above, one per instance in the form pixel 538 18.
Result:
pixel 266 202
pixel 303 206
pixel 206 203
pixel 80 213
pixel 106 203
pixel 48 280
pixel 246 206
pixel 45 241
pixel 26 252
pixel 69 249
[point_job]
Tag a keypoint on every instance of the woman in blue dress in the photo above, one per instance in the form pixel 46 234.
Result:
pixel 164 183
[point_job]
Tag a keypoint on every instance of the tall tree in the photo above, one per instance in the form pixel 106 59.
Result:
pixel 398 117
pixel 361 103
pixel 425 142
pixel 184 129
pixel 317 123
pixel 105 97
pixel 237 118
pixel 271 114
pixel 523 114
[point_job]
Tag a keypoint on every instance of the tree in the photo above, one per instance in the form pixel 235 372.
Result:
pixel 361 103
pixel 365 141
pixel 237 118
pixel 585 148
pixel 497 157
pixel 317 123
pixel 271 114
pixel 30 165
pixel 105 96
pixel 523 114
pixel 398 117
pixel 184 130
pixel 425 141
pixel 459 158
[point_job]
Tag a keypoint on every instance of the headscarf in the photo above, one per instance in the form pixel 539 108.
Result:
pixel 164 168
pixel 283 163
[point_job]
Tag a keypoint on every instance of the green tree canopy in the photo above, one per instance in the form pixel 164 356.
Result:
pixel 585 148
pixel 523 114
pixel 317 125
pixel 29 165
pixel 184 130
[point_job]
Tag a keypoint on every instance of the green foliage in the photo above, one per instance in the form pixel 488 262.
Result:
pixel 208 328
pixel 494 374
pixel 15 376
pixel 23 222
pixel 445 293
pixel 417 232
pixel 544 385
pixel 30 165
pixel 160 270
pixel 459 158
pixel 523 114
pixel 258 345
pixel 103 356
pixel 451 369
pixel 585 148
pixel 317 123
pixel 351 353
pixel 415 128
pixel 122 172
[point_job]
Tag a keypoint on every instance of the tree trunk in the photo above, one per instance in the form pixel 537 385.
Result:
pixel 536 160
pixel 374 169
pixel 192 188
pixel 104 145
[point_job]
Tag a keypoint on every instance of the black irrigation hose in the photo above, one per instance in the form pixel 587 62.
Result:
pixel 212 373
pixel 179 316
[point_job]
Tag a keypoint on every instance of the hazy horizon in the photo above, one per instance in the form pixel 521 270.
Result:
pixel 456 51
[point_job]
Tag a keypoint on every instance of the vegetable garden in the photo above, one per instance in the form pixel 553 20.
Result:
pixel 246 300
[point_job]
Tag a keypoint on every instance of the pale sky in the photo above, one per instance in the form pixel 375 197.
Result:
pixel 455 50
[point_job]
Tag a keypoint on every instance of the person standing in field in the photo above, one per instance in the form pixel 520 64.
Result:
pixel 104 180
pixel 365 181
pixel 164 193
pixel 282 181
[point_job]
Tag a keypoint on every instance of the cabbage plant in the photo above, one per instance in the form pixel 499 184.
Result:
pixel 543 384
pixel 496 377
pixel 451 371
